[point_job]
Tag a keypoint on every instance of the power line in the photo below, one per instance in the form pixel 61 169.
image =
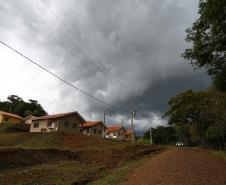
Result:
pixel 61 79
pixel 100 66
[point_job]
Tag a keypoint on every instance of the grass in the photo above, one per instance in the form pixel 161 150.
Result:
pixel 221 154
pixel 60 173
pixel 118 175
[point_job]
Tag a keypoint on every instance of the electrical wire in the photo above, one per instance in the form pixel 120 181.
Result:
pixel 61 79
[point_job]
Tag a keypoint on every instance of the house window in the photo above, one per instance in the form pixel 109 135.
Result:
pixel 6 119
pixel 87 130
pixel 94 131
pixel 114 134
pixel 100 132
pixel 36 124
pixel 107 133
pixel 66 124
pixel 49 124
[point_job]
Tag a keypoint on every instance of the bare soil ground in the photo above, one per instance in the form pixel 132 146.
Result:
pixel 180 166
pixel 62 158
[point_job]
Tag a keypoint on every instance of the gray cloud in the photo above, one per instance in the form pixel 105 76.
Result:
pixel 114 50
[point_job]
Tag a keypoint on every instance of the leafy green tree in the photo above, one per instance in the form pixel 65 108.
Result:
pixel 162 135
pixel 17 105
pixel 199 117
pixel 208 39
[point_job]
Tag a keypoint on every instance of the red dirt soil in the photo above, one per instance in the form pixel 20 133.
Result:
pixel 180 166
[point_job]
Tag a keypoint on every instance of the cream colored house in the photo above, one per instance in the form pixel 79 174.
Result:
pixel 57 122
pixel 28 119
pixel 95 128
pixel 115 132
pixel 6 117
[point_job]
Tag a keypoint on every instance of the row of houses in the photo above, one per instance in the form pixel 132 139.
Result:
pixel 70 121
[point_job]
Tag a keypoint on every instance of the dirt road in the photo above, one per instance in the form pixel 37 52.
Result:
pixel 180 166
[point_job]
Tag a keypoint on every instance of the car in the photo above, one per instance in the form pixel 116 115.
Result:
pixel 179 144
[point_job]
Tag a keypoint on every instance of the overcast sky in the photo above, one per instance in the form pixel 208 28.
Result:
pixel 114 50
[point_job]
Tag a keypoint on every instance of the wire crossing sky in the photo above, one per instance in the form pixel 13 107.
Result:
pixel 61 79
pixel 108 50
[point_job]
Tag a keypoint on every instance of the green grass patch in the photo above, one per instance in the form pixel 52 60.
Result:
pixel 57 173
pixel 118 175
pixel 31 140
pixel 221 154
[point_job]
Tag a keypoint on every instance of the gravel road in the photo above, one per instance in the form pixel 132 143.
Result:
pixel 180 166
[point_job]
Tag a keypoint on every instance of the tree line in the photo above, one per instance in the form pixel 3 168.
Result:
pixel 199 118
pixel 16 105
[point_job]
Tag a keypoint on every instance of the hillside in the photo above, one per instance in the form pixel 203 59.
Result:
pixel 61 158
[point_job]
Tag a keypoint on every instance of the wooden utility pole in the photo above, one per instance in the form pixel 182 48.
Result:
pixel 132 118
pixel 151 141
pixel 104 123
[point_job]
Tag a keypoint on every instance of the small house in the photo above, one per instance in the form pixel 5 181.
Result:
pixel 70 121
pixel 6 117
pixel 115 132
pixel 95 128
pixel 129 134
pixel 28 119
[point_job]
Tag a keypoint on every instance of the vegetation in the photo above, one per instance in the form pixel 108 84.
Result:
pixel 199 117
pixel 207 36
pixel 118 175
pixel 17 105
pixel 162 135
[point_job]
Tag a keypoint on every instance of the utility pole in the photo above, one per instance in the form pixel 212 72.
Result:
pixel 104 123
pixel 151 141
pixel 132 118
pixel 142 136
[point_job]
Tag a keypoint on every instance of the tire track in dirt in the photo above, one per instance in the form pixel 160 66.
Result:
pixel 180 166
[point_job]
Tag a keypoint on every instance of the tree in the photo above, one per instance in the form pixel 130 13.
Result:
pixel 17 105
pixel 208 38
pixel 162 135
pixel 199 117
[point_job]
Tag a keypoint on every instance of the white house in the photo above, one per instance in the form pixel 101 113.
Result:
pixel 115 132
pixel 95 128
pixel 69 121
pixel 28 119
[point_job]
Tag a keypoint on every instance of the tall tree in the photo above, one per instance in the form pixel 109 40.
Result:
pixel 199 117
pixel 208 38
pixel 17 105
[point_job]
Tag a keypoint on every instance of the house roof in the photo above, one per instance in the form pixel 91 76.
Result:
pixel 28 117
pixel 114 128
pixel 90 123
pixel 57 116
pixel 128 132
pixel 10 115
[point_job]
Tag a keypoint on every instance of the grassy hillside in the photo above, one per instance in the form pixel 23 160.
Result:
pixel 61 158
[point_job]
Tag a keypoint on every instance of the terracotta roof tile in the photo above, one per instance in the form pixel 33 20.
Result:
pixel 90 123
pixel 114 128
pixel 128 132
pixel 11 115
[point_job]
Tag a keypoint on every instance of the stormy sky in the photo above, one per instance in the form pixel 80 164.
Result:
pixel 113 50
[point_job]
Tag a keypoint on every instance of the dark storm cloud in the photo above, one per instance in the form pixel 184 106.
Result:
pixel 114 50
